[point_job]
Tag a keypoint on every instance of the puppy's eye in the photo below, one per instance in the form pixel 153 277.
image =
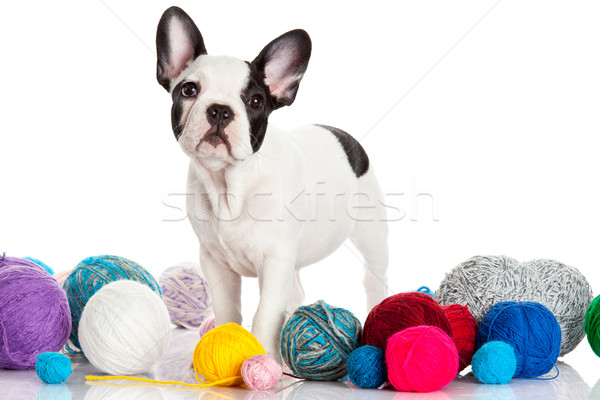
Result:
pixel 189 89
pixel 256 102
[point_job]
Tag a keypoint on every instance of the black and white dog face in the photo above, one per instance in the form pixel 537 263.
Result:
pixel 221 104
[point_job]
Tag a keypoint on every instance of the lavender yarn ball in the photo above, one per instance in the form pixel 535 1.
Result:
pixel 186 295
pixel 34 313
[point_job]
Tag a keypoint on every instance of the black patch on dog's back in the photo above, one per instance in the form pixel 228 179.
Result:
pixel 357 156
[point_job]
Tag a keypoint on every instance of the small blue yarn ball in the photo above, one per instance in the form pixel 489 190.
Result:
pixel 53 367
pixel 366 367
pixel 494 363
pixel 532 331
pixel 41 264
pixel 317 340
pixel 92 274
pixel 426 290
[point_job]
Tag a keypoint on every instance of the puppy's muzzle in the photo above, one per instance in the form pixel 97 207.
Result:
pixel 218 116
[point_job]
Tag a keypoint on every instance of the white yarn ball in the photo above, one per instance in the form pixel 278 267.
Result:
pixel 124 328
pixel 186 295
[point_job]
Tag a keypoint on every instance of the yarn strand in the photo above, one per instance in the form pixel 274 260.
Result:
pixel 224 381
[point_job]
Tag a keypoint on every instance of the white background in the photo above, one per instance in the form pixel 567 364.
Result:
pixel 494 119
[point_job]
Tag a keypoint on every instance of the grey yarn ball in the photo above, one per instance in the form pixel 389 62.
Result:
pixel 481 282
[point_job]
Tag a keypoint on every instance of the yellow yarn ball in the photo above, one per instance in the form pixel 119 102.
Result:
pixel 219 355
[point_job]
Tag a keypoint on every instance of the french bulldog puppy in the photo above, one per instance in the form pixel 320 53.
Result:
pixel 265 202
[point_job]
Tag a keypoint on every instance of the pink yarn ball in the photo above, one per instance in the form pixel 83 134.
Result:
pixel 421 359
pixel 207 325
pixel 261 372
pixel 62 276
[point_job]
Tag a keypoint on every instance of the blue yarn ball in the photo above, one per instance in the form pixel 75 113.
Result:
pixel 366 367
pixel 494 363
pixel 53 367
pixel 91 275
pixel 317 340
pixel 532 331
pixel 41 264
pixel 426 290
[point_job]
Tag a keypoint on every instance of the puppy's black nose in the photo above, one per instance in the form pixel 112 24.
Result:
pixel 219 115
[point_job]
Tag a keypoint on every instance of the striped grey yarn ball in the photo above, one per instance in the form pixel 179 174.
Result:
pixel 317 340
pixel 481 282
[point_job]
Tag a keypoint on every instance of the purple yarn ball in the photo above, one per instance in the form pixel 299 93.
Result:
pixel 34 313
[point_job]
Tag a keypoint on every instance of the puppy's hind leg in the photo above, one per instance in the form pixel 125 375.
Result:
pixel 370 237
pixel 296 296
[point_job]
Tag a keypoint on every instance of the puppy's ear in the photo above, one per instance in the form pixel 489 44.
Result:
pixel 178 41
pixel 283 63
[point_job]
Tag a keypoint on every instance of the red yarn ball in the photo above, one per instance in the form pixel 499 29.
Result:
pixel 421 359
pixel 401 311
pixel 464 332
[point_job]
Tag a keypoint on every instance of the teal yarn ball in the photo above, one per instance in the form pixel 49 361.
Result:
pixel 91 275
pixel 317 340
pixel 41 264
pixel 53 367
pixel 366 367
pixel 532 331
pixel 494 363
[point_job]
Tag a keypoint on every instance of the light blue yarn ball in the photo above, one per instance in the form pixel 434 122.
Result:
pixel 41 264
pixel 366 367
pixel 53 367
pixel 532 331
pixel 494 363
pixel 91 275
pixel 317 340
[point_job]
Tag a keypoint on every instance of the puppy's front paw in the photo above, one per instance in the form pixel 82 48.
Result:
pixel 275 353
pixel 270 343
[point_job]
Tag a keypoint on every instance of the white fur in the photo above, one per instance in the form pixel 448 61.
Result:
pixel 270 213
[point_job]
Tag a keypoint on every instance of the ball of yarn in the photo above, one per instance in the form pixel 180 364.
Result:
pixel 261 372
pixel 494 363
pixel 532 331
pixel 366 367
pixel 592 325
pixel 41 264
pixel 401 311
pixel 53 367
pixel 481 282
pixel 421 359
pixel 207 325
pixel 426 290
pixel 34 313
pixel 124 328
pixel 91 275
pixel 186 294
pixel 220 354
pixel 464 332
pixel 317 340
pixel 62 276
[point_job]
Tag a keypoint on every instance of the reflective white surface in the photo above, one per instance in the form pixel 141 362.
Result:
pixel 175 365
